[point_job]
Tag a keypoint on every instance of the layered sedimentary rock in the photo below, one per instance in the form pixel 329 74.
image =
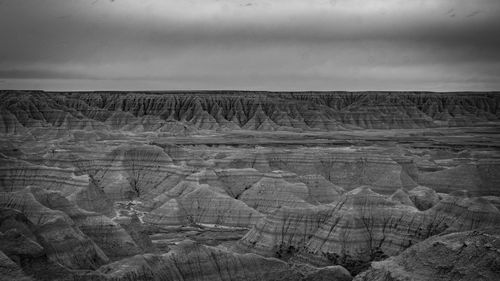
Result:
pixel 205 205
pixel 192 202
pixel 480 177
pixel 132 171
pixel 111 238
pixel 273 192
pixel 346 168
pixel 85 178
pixel 191 261
pixel 470 255
pixel 137 231
pixel 15 175
pixel 118 172
pixel 320 190
pixel 284 231
pixel 63 241
pixel 93 236
pixel 361 226
pixel 236 181
pixel 169 213
pixel 177 112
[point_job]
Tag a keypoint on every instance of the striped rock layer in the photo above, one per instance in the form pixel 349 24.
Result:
pixel 361 226
pixel 183 112
pixel 70 236
pixel 469 255
pixel 385 172
pixel 191 261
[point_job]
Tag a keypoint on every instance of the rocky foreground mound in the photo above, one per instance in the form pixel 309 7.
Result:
pixel 191 261
pixel 470 255
pixel 185 112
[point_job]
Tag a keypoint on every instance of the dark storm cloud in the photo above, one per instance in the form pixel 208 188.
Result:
pixel 268 44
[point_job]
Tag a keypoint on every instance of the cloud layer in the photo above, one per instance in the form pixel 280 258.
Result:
pixel 259 44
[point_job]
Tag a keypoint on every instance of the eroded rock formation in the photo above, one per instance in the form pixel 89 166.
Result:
pixel 470 255
pixel 271 186
pixel 361 226
pixel 184 111
pixel 192 261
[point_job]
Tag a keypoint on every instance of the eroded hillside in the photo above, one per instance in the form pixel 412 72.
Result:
pixel 185 112
pixel 249 186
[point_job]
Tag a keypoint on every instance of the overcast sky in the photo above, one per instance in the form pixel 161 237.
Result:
pixel 439 45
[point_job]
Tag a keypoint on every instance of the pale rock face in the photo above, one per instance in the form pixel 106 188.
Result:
pixel 17 174
pixel 168 214
pixel 327 273
pixel 273 192
pixel 192 202
pixel 480 178
pixel 470 255
pixel 133 171
pixel 207 206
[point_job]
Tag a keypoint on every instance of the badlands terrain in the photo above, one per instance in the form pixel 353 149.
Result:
pixel 260 186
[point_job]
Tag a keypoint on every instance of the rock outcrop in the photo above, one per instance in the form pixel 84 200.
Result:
pixel 63 241
pixel 289 186
pixel 470 255
pixel 361 226
pixel 320 190
pixel 236 181
pixel 423 197
pixel 133 171
pixel 108 235
pixel 273 192
pixel 192 261
pixel 25 254
pixel 15 175
pixel 402 197
pixel 348 169
pixel 183 112
pixel 478 177
pixel 192 202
